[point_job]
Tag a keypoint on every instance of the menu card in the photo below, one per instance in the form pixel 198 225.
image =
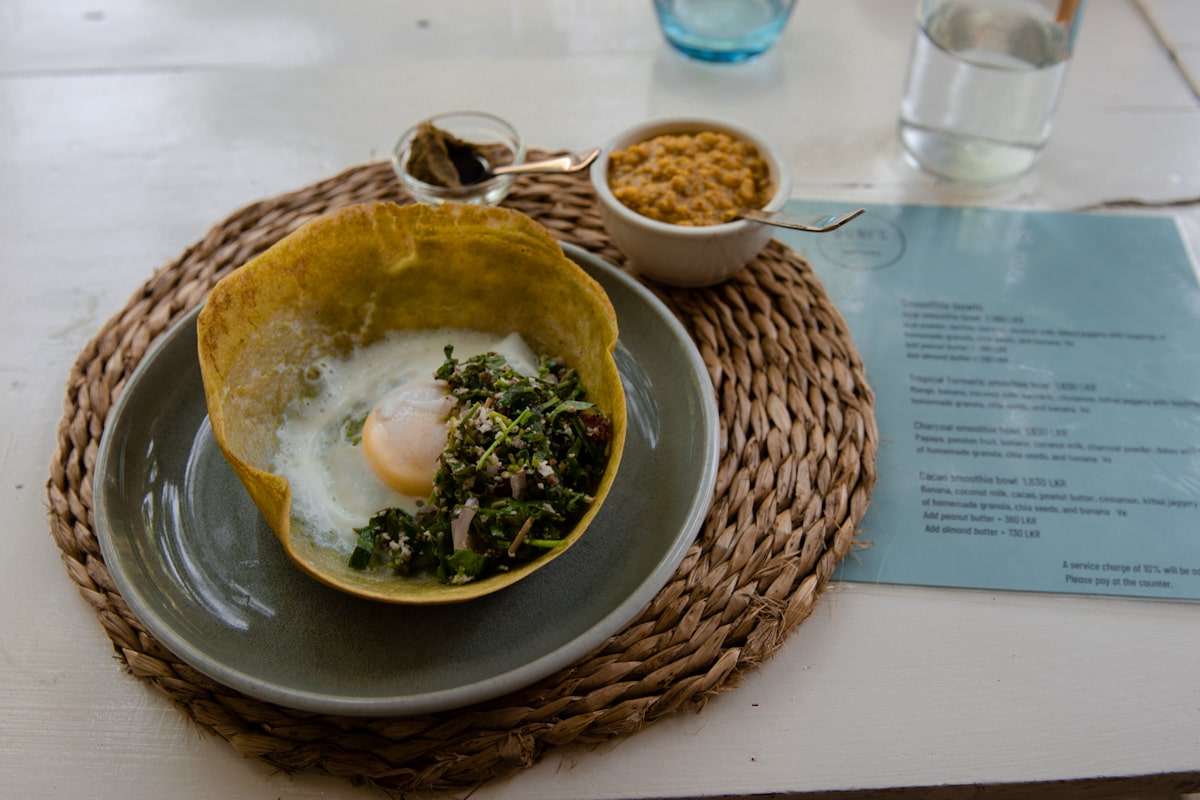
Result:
pixel 1037 380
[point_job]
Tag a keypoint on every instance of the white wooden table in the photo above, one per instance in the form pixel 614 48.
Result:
pixel 126 128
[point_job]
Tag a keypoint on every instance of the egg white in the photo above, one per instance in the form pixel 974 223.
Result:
pixel 334 490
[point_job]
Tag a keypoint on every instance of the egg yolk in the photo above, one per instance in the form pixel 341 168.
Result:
pixel 405 434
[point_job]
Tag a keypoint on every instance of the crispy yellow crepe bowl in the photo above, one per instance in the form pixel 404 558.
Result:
pixel 349 278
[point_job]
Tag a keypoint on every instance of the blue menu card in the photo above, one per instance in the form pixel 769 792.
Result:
pixel 1037 378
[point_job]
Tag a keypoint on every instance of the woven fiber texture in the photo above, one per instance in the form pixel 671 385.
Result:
pixel 798 447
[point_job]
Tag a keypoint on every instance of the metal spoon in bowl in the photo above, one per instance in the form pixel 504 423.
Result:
pixel 477 171
pixel 821 225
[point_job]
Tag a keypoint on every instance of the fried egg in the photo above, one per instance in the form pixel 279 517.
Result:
pixel 404 435
pixel 370 434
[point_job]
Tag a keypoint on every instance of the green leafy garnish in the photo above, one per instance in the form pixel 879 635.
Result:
pixel 352 428
pixel 361 557
pixel 462 566
pixel 523 456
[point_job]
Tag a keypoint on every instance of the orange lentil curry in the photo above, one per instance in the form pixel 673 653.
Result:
pixel 690 179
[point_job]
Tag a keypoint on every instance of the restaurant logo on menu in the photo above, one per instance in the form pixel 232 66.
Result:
pixel 871 243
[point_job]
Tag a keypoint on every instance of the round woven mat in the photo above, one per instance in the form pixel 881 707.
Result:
pixel 798 444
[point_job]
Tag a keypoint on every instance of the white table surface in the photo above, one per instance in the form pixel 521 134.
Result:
pixel 127 127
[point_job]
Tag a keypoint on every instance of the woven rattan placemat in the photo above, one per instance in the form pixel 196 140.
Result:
pixel 798 444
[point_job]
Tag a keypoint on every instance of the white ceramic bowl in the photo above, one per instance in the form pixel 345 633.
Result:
pixel 680 255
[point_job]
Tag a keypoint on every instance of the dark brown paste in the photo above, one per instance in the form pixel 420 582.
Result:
pixel 442 159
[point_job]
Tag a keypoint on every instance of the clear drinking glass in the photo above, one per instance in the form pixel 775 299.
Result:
pixel 723 30
pixel 983 83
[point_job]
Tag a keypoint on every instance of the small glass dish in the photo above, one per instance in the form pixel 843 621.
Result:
pixel 500 142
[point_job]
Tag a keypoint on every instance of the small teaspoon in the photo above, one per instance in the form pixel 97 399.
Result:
pixel 571 162
pixel 820 225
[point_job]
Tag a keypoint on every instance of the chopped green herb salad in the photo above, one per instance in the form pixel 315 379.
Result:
pixel 523 456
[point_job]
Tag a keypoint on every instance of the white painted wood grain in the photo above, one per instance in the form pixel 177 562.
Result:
pixel 127 127
pixel 1178 25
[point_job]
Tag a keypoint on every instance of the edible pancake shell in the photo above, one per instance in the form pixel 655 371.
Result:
pixel 349 278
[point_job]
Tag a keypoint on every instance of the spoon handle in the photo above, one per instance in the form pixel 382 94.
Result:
pixel 560 164
pixel 822 225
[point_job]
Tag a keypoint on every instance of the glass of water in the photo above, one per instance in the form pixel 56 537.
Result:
pixel 723 30
pixel 983 83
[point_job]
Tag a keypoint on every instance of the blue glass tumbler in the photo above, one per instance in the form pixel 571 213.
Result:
pixel 723 30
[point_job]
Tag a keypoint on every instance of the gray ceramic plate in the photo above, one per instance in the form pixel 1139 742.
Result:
pixel 205 574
